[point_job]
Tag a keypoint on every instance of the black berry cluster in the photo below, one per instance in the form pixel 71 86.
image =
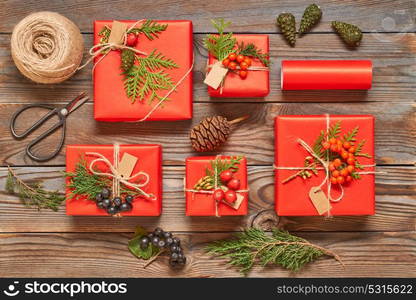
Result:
pixel 115 205
pixel 164 239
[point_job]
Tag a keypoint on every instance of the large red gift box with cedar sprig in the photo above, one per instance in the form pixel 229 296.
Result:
pixel 203 203
pixel 257 82
pixel 111 102
pixel 149 161
pixel 353 186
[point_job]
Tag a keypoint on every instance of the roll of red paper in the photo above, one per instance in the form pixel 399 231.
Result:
pixel 326 74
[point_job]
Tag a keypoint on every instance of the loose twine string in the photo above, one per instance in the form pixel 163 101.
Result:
pixel 46 47
pixel 193 191
pixel 101 48
pixel 116 176
pixel 325 166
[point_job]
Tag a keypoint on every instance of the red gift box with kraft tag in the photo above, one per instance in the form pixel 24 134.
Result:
pixel 292 197
pixel 110 100
pixel 257 82
pixel 149 158
pixel 199 204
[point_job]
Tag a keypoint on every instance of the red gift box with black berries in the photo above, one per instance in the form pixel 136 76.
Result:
pixel 203 204
pixel 292 195
pixel 149 158
pixel 111 102
pixel 257 82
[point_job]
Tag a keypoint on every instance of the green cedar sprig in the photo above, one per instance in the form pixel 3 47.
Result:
pixel 151 29
pixel 32 194
pixel 255 246
pixel 82 183
pixel 221 44
pixel 253 51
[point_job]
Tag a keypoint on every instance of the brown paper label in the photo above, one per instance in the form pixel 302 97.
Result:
pixel 118 31
pixel 126 165
pixel 236 205
pixel 216 75
pixel 319 200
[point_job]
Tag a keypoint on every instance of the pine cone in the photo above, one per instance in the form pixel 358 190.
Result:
pixel 349 33
pixel 211 133
pixel 287 24
pixel 310 17
pixel 127 59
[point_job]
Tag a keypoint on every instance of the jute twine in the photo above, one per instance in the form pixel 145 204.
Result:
pixel 47 47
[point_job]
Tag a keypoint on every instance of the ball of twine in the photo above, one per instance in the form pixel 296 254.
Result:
pixel 47 47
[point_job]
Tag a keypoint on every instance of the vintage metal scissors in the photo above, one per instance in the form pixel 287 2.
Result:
pixel 62 114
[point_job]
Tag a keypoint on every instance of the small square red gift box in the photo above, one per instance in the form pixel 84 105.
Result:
pixel 123 170
pixel 205 175
pixel 257 82
pixel 111 101
pixel 307 147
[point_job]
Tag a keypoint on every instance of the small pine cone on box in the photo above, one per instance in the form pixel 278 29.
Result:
pixel 127 59
pixel 287 24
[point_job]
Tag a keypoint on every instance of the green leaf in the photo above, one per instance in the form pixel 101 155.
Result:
pixel 253 51
pixel 350 136
pixel 140 231
pixel 151 29
pixel 221 44
pixel 334 130
pixel 136 250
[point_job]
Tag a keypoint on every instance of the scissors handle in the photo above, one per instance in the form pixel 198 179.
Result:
pixel 38 123
pixel 42 137
pixel 61 122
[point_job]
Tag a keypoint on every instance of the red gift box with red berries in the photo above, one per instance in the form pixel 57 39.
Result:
pixel 143 163
pixel 345 145
pixel 114 102
pixel 216 186
pixel 255 83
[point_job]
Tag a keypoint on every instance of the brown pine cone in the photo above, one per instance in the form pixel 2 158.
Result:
pixel 211 133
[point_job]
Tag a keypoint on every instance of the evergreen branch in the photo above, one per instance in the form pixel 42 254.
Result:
pixel 359 148
pixel 280 248
pixel 350 136
pixel 252 50
pixel 33 194
pixel 105 34
pixel 334 130
pixel 155 61
pixel 220 165
pixel 151 29
pixel 221 44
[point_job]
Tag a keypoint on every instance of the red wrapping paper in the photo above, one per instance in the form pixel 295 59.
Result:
pixel 292 198
pixel 326 74
pixel 149 161
pixel 198 204
pixel 110 100
pixel 257 82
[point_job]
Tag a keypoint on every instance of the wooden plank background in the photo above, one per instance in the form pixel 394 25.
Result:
pixel 49 243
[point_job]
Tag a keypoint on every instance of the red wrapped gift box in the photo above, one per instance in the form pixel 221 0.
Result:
pixel 110 100
pixel 292 198
pixel 149 161
pixel 199 204
pixel 257 82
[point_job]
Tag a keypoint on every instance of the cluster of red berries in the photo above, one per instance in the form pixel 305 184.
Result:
pixel 233 61
pixel 131 39
pixel 341 168
pixel 227 178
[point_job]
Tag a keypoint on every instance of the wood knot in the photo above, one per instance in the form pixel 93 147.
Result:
pixel 265 220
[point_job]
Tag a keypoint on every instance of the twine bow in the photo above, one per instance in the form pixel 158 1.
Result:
pixel 216 186
pixel 116 176
pixel 325 166
pixel 103 47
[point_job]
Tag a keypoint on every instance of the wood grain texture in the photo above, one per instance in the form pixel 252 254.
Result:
pixel 392 56
pixel 395 207
pixel 247 16
pixel 394 137
pixel 364 254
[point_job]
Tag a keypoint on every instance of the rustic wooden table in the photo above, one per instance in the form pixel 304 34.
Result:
pixel 49 243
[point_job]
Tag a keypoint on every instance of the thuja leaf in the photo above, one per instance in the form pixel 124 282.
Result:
pixel 221 44
pixel 156 60
pixel 151 29
pixel 252 50
pixel 359 148
pixel 350 136
pixel 334 130
pixel 256 246
pixel 222 165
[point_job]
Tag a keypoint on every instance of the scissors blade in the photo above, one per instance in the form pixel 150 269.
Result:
pixel 76 102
